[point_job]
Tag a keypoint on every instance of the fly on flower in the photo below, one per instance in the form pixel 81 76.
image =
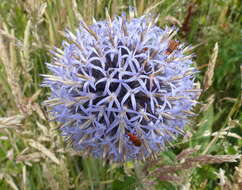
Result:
pixel 172 45
pixel 112 77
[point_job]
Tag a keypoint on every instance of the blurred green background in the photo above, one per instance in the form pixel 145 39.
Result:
pixel 33 154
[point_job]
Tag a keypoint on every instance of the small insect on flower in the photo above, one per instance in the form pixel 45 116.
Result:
pixel 171 46
pixel 135 140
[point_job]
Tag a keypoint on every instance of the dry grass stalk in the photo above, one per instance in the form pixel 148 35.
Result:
pixel 44 150
pixel 25 52
pixel 11 122
pixel 35 9
pixel 169 172
pixel 210 159
pixel 152 7
pixel 51 29
pixel 75 10
pixel 233 110
pixel 32 157
pixel 49 175
pixel 58 175
pixel 208 79
pixel 9 180
pixel 24 178
pixel 31 106
pixel 241 76
pixel 11 37
pixel 173 20
pixel 185 153
pixel 237 181
pixel 210 100
pixel 225 132
pixel 12 74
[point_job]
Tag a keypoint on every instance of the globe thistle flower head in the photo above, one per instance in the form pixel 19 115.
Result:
pixel 121 88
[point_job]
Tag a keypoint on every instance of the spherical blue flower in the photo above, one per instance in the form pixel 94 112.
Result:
pixel 120 88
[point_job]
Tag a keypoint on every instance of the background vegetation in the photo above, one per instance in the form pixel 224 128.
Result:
pixel 32 153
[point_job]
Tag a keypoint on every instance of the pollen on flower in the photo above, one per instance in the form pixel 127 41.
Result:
pixel 121 89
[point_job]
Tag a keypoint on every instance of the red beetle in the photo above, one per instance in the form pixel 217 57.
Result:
pixel 135 140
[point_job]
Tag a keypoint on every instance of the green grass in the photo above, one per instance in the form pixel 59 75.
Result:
pixel 33 155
